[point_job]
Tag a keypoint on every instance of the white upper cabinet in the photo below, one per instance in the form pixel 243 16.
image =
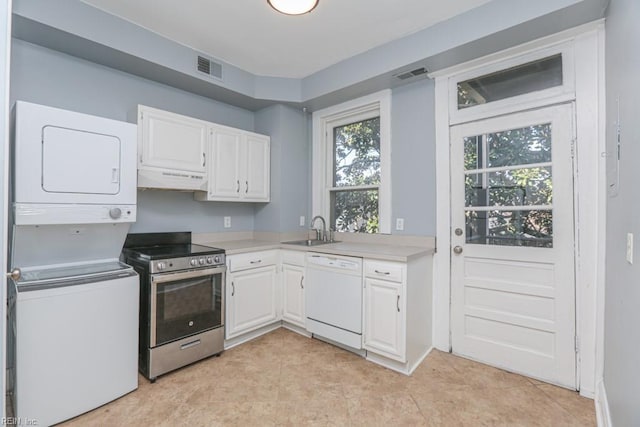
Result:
pixel 224 157
pixel 238 166
pixel 171 150
pixel 257 173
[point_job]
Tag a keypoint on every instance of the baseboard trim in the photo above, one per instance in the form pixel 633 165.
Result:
pixel 603 416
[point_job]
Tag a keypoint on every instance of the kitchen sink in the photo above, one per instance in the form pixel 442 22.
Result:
pixel 308 242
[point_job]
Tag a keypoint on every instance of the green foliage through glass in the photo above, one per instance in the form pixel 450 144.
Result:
pixel 513 184
pixel 356 153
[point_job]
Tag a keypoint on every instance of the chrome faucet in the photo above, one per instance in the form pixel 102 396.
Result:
pixel 320 234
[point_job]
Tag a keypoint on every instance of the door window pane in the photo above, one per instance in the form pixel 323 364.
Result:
pixel 355 210
pixel 510 228
pixel 514 187
pixel 521 146
pixel 530 77
pixel 497 176
pixel 357 153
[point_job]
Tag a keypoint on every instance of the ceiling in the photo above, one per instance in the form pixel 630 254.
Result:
pixel 250 35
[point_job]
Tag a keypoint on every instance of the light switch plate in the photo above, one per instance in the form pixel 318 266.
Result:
pixel 630 248
pixel 303 221
pixel 399 223
pixel 227 222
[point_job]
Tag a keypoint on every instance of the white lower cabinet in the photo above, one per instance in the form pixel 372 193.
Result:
pixel 293 271
pixel 293 294
pixel 385 318
pixel 397 312
pixel 252 293
pixel 267 287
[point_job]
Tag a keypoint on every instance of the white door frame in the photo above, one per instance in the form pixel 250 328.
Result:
pixel 586 44
pixel 5 52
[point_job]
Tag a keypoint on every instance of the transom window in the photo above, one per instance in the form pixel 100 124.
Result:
pixel 351 165
pixel 525 78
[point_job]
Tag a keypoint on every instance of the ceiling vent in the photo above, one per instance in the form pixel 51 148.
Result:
pixel 210 67
pixel 410 74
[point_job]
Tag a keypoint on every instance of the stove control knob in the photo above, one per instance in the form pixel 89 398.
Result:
pixel 193 262
pixel 216 259
pixel 115 213
pixel 201 261
pixel 161 265
pixel 209 260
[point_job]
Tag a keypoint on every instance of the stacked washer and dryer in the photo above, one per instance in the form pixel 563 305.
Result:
pixel 73 340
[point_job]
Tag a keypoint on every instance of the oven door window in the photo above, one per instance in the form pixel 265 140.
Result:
pixel 187 307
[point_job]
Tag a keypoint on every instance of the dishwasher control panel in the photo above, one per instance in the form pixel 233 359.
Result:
pixel 335 262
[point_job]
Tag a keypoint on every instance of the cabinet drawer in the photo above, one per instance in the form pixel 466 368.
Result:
pixel 293 257
pixel 384 270
pixel 252 260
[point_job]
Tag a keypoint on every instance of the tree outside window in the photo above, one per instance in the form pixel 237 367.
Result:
pixel 354 196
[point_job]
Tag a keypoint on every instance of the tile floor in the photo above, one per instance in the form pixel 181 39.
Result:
pixel 283 378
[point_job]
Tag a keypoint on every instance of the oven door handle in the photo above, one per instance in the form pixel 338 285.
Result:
pixel 170 277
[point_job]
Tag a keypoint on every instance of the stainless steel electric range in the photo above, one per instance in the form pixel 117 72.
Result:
pixel 181 300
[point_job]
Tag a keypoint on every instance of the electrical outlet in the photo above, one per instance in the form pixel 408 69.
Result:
pixel 303 221
pixel 399 223
pixel 227 222
pixel 630 248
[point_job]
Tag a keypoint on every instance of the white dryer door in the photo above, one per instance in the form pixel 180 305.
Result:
pixel 80 162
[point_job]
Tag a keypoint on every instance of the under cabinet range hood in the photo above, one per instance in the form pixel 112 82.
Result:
pixel 171 150
pixel 171 180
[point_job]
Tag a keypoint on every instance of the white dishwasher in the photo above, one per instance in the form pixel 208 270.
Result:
pixel 333 298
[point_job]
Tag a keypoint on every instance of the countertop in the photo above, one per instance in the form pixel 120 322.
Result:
pixel 384 252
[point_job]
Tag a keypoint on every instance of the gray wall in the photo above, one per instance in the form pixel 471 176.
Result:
pixel 290 169
pixel 622 288
pixel 413 151
pixel 48 77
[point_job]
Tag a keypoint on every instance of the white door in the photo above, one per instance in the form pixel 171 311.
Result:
pixel 512 237
pixel 172 141
pixel 76 161
pixel 224 174
pixel 251 300
pixel 384 332
pixel 256 185
pixel 293 302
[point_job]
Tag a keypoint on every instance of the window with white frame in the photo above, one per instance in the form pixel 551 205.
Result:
pixel 351 164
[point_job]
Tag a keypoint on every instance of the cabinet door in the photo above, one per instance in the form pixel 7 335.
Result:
pixel 293 290
pixel 226 156
pixel 256 183
pixel 251 300
pixel 385 318
pixel 172 141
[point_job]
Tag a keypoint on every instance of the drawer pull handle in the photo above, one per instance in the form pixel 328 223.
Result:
pixel 386 273
pixel 190 344
pixel 398 303
pixel 255 262
pixel 233 289
pixel 238 187
pixel 247 189
pixel 301 280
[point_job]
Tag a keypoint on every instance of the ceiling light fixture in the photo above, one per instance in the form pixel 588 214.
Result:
pixel 293 7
